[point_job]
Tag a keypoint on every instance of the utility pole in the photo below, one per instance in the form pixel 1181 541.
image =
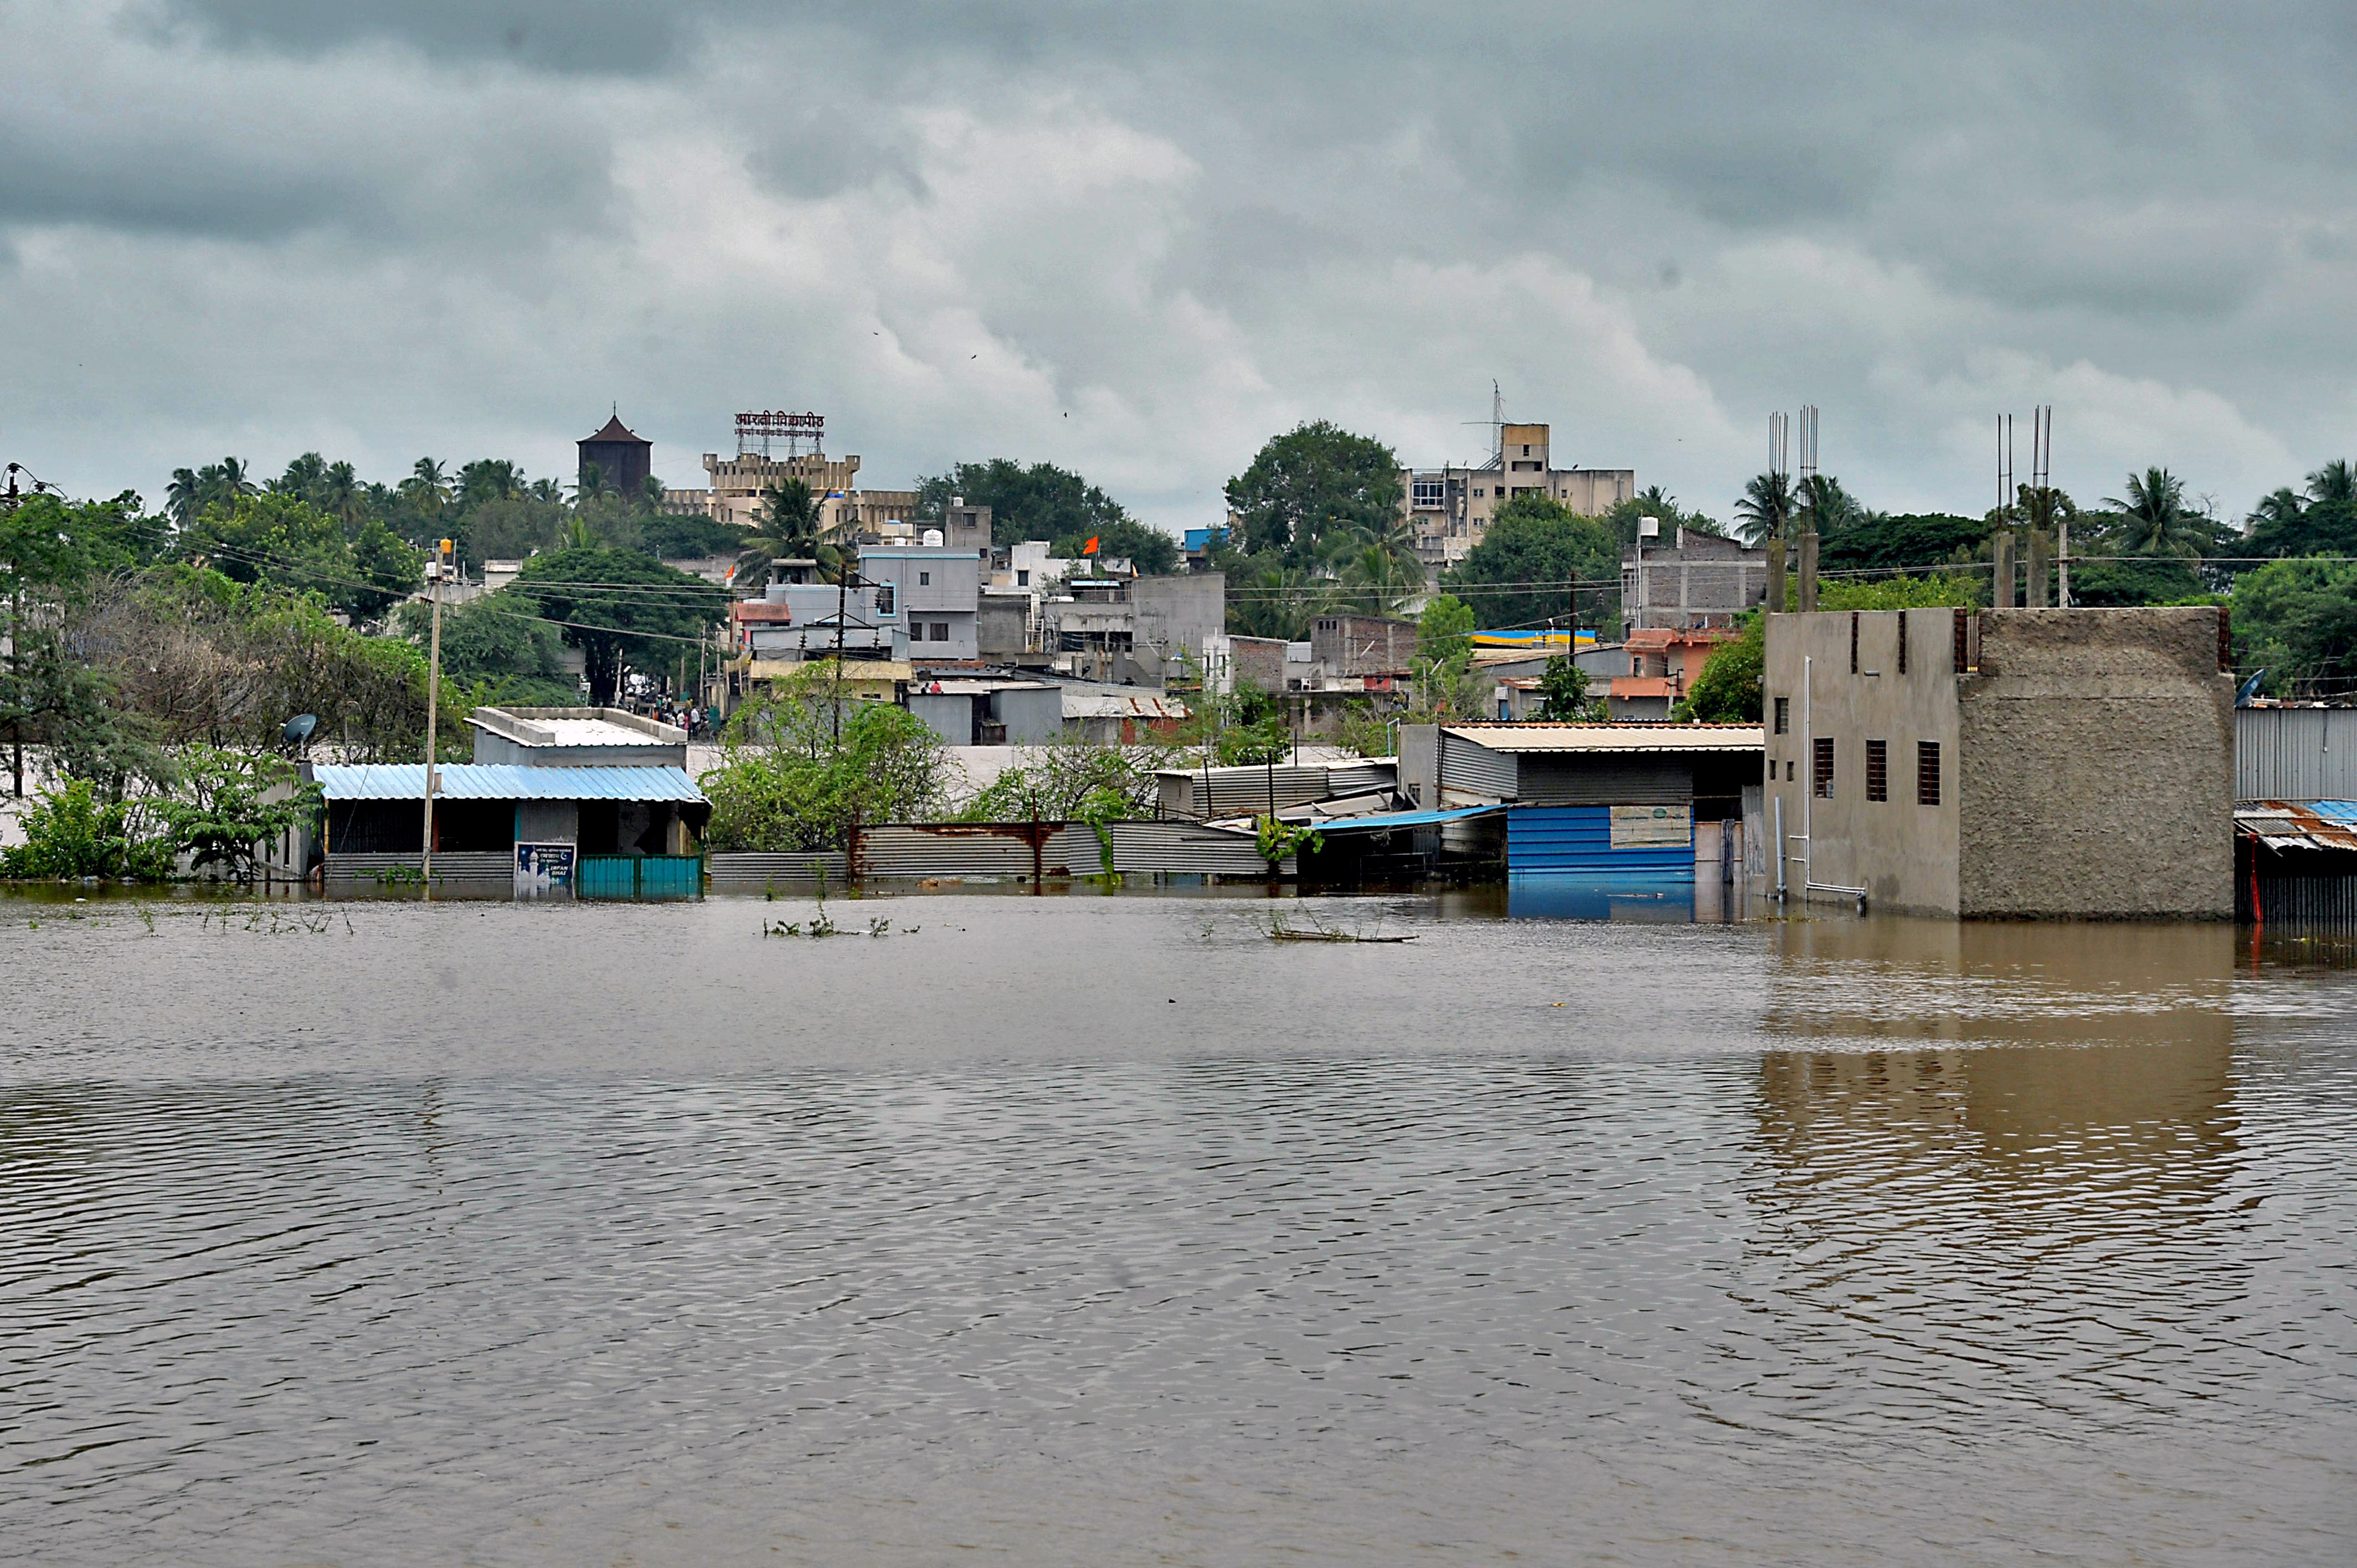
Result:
pixel 433 569
pixel 842 608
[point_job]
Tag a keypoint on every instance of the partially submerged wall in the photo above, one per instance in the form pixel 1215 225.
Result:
pixel 2096 766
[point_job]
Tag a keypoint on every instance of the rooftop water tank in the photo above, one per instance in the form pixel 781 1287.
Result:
pixel 932 539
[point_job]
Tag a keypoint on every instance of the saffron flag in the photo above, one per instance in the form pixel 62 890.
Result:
pixel 1090 548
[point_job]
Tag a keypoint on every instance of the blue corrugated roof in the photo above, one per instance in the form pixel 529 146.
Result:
pixel 1384 822
pixel 2335 810
pixel 504 781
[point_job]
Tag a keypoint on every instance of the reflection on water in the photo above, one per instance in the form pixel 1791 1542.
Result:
pixel 1107 1230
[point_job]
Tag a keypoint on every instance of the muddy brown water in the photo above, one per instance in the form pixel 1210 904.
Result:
pixel 1106 1231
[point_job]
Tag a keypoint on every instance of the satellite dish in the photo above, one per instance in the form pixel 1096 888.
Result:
pixel 2250 689
pixel 298 729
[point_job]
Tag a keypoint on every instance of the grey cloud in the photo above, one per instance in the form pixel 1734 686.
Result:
pixel 2157 193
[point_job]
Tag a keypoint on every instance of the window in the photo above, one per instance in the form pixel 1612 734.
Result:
pixel 1927 772
pixel 1783 715
pixel 1877 771
pixel 941 632
pixel 1429 493
pixel 1789 766
pixel 1023 578
pixel 1821 771
pixel 883 598
pixel 1637 665
pixel 925 579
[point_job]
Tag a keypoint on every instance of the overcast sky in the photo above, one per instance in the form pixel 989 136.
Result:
pixel 1137 240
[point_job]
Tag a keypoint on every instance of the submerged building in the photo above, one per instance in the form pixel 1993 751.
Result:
pixel 2007 762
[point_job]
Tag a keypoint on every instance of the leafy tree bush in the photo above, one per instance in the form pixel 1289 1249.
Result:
pixel 2298 619
pixel 1564 699
pixel 1445 628
pixel 220 805
pixel 1312 481
pixel 288 542
pixel 1727 692
pixel 495 649
pixel 790 778
pixel 1533 540
pixel 1070 781
pixel 619 608
pixel 1044 502
pixel 71 831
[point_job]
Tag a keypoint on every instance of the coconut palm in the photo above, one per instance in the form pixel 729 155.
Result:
pixel 426 488
pixel 2155 521
pixel 789 530
pixel 339 494
pixel 1821 505
pixel 2334 483
pixel 1375 580
pixel 1766 506
pixel 183 497
pixel 2281 508
pixel 488 479
pixel 590 486
pixel 233 479
pixel 301 478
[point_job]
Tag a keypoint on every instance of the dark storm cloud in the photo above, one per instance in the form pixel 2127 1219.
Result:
pixel 964 225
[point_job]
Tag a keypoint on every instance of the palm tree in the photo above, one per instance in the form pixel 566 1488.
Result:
pixel 340 492
pixel 1820 501
pixel 235 481
pixel 2281 508
pixel 2334 483
pixel 301 478
pixel 1766 508
pixel 1375 580
pixel 488 479
pixel 2157 520
pixel 550 490
pixel 789 532
pixel 426 488
pixel 590 486
pixel 183 497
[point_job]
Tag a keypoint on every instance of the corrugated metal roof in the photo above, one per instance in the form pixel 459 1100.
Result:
pixel 503 781
pixel 1384 821
pixel 1613 737
pixel 2280 824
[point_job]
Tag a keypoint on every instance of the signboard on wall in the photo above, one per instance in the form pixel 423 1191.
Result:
pixel 544 870
pixel 1652 827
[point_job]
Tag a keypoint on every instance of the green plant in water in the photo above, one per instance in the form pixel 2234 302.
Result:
pixel 1277 841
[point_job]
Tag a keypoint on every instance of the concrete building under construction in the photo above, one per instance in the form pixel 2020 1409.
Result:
pixel 2070 764
pixel 1448 509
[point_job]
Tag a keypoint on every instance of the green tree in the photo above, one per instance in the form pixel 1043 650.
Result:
pixel 1445 628
pixel 1044 502
pixel 2298 619
pixel 1070 781
pixel 72 830
pixel 1312 481
pixel 1564 697
pixel 285 540
pixel 221 805
pixel 1728 690
pixel 2335 484
pixel 1540 562
pixel 2288 526
pixel 799 766
pixel 1767 507
pixel 620 608
pixel 2155 518
pixel 1910 541
pixel 496 649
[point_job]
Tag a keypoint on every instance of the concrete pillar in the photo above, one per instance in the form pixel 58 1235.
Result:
pixel 1776 574
pixel 2001 558
pixel 1808 571
pixel 2041 567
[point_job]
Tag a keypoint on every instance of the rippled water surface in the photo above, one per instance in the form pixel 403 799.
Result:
pixel 1105 1231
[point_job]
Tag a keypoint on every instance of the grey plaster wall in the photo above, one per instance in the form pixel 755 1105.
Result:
pixel 2098 766
pixel 1905 854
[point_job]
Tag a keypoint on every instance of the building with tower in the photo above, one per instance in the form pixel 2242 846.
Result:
pixel 623 460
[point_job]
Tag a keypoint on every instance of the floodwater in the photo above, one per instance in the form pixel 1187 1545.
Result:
pixel 1104 1231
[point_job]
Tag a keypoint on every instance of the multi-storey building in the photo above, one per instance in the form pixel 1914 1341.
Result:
pixel 737 485
pixel 1449 509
